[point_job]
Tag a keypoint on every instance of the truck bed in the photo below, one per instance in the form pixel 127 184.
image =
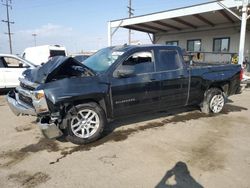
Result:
pixel 216 67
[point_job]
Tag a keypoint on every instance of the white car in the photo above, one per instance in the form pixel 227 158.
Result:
pixel 11 68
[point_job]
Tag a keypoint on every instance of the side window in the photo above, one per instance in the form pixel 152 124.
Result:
pixel 142 62
pixel 168 60
pixel 12 62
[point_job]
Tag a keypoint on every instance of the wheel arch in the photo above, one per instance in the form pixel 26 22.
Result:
pixel 67 106
pixel 223 86
pixel 100 101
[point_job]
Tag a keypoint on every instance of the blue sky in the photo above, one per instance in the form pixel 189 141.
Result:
pixel 76 24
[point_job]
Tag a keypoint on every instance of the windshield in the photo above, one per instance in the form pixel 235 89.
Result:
pixel 28 62
pixel 103 59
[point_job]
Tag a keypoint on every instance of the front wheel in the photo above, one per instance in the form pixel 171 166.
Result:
pixel 213 102
pixel 85 123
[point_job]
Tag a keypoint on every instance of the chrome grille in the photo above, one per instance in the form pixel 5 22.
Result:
pixel 24 86
pixel 25 99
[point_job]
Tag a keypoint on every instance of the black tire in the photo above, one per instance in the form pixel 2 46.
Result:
pixel 74 112
pixel 62 138
pixel 209 98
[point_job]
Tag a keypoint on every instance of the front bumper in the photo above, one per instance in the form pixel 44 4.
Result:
pixel 23 102
pixel 49 130
pixel 17 106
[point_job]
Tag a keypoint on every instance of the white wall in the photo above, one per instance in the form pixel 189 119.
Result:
pixel 207 41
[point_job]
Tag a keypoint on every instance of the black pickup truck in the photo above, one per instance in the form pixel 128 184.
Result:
pixel 78 99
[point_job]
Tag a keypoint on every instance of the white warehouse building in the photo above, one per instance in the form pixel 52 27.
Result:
pixel 211 31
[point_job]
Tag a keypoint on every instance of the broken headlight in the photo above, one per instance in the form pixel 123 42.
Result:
pixel 39 101
pixel 39 94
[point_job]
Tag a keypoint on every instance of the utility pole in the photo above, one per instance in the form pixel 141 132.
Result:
pixel 244 18
pixel 130 14
pixel 8 5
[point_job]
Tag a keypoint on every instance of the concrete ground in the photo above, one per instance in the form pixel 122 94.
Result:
pixel 187 149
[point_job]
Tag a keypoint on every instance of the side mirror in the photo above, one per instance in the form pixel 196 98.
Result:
pixel 125 71
pixel 20 65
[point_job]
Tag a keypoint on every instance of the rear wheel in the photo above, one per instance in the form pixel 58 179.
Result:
pixel 85 123
pixel 213 102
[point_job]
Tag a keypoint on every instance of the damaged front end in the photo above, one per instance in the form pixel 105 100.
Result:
pixel 31 102
pixel 49 128
pixel 33 97
pixel 23 101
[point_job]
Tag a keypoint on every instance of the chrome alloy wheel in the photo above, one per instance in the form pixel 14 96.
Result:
pixel 217 103
pixel 85 123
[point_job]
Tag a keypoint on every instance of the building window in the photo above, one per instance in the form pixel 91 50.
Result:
pixel 172 43
pixel 194 45
pixel 221 44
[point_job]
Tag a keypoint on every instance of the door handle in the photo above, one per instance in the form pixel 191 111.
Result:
pixel 153 79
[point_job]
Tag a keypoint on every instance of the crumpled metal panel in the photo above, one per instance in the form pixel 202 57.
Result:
pixel 40 74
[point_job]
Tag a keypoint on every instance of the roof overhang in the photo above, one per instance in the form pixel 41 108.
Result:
pixel 183 19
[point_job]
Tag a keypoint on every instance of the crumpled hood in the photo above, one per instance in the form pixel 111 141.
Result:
pixel 40 74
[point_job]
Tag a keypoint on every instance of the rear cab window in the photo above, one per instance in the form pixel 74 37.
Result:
pixel 168 60
pixel 57 53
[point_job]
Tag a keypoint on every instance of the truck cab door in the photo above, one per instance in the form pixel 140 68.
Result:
pixel 135 86
pixel 2 78
pixel 13 71
pixel 174 78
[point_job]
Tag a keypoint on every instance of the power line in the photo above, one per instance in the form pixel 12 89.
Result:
pixel 130 14
pixel 8 22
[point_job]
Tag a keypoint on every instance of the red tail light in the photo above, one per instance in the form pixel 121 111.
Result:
pixel 241 74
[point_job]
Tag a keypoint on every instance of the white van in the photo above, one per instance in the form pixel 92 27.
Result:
pixel 41 54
